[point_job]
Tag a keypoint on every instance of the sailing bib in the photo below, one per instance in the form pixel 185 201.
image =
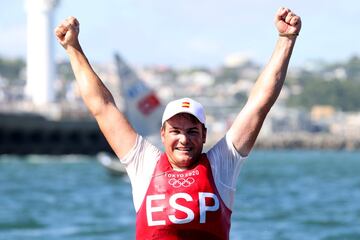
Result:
pixel 182 205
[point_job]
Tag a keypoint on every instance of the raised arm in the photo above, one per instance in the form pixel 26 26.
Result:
pixel 112 122
pixel 266 90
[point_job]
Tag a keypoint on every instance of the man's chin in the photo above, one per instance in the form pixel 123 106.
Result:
pixel 184 154
pixel 184 160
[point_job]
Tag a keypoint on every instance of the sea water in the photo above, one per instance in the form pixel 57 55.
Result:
pixel 280 195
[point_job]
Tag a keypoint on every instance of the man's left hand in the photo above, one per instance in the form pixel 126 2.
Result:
pixel 287 22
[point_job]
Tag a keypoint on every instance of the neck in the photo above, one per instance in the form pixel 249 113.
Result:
pixel 177 167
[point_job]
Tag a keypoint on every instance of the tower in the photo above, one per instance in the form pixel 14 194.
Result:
pixel 40 54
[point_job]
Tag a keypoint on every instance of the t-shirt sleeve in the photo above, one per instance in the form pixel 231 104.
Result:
pixel 140 163
pixel 225 163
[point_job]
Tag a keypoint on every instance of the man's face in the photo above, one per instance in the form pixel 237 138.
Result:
pixel 183 138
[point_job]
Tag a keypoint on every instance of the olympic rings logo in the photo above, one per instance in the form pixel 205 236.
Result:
pixel 181 182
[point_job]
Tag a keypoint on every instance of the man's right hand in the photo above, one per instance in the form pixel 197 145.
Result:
pixel 67 32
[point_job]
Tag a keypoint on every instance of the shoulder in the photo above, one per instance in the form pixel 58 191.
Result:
pixel 225 163
pixel 224 149
pixel 141 150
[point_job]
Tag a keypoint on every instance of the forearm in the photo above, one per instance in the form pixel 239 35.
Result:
pixel 92 89
pixel 247 124
pixel 112 122
pixel 269 84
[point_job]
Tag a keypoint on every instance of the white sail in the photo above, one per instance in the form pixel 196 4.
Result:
pixel 142 108
pixel 141 105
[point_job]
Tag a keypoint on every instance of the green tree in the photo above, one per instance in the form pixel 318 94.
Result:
pixel 11 69
pixel 343 95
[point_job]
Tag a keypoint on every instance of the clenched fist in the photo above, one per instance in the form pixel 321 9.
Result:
pixel 67 32
pixel 287 22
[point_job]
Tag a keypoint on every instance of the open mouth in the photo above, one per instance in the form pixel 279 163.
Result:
pixel 183 149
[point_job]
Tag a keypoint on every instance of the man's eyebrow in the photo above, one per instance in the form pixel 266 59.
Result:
pixel 192 129
pixel 180 128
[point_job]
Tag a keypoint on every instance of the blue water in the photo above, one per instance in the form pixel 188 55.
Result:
pixel 281 195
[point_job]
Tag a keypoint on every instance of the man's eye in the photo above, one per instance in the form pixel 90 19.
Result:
pixel 193 131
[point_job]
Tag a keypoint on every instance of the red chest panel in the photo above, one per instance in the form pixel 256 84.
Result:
pixel 182 205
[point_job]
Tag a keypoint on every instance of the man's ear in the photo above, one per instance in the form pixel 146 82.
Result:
pixel 162 133
pixel 204 134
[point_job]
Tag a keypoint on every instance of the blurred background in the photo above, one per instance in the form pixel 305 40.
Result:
pixel 148 53
pixel 210 51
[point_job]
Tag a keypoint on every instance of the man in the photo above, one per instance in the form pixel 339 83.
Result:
pixel 183 193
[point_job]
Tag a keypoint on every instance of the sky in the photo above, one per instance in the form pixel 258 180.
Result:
pixel 193 32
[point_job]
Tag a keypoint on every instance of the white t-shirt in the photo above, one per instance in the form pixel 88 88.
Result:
pixel 225 163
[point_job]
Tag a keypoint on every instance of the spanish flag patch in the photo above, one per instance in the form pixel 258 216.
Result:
pixel 185 104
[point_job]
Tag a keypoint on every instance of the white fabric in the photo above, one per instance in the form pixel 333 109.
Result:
pixel 225 163
pixel 184 105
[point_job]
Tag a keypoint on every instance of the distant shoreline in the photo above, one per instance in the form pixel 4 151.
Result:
pixel 308 141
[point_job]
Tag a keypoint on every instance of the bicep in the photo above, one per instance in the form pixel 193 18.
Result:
pixel 116 129
pixel 246 128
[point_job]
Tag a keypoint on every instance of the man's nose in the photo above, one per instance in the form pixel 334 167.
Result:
pixel 184 138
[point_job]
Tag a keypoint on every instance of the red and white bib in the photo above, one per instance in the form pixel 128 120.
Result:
pixel 182 205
